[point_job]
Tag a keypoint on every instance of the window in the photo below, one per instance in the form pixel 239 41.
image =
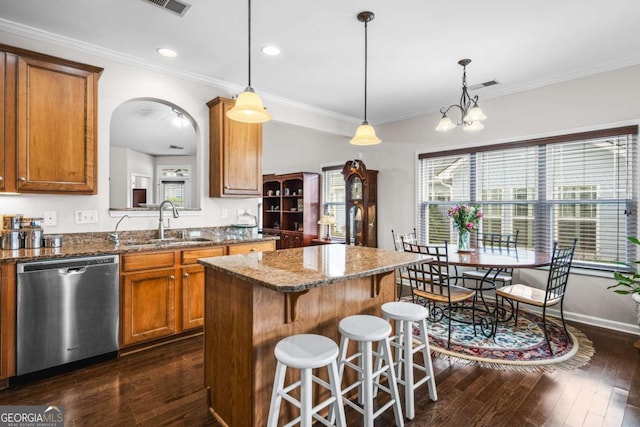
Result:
pixel 174 184
pixel 333 197
pixel 492 210
pixel 551 189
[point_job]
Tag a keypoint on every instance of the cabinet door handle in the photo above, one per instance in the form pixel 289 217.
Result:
pixel 1 178
pixel 253 249
pixel 23 179
pixel 172 277
pixel 226 187
pixel 186 274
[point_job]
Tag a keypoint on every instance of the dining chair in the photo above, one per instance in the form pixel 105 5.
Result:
pixel 397 243
pixel 433 286
pixel 399 238
pixel 494 242
pixel 554 292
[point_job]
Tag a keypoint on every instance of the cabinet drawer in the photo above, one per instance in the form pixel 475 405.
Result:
pixel 191 256
pixel 147 261
pixel 246 248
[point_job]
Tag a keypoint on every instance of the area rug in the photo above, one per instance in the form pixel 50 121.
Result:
pixel 522 347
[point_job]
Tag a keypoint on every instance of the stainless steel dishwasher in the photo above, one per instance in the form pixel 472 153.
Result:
pixel 67 310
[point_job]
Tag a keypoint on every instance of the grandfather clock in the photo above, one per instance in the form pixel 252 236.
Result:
pixel 361 204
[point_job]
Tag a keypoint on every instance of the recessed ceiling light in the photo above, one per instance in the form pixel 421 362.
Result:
pixel 271 50
pixel 166 52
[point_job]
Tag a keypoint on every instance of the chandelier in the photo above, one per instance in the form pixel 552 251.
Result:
pixel 471 118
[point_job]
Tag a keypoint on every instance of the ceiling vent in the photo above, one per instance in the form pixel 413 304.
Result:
pixel 175 6
pixel 485 84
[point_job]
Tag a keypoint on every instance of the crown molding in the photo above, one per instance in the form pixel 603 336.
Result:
pixel 505 90
pixel 70 43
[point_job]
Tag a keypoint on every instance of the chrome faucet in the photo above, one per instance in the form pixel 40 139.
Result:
pixel 114 235
pixel 161 220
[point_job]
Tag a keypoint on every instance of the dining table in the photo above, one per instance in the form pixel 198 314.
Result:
pixel 492 261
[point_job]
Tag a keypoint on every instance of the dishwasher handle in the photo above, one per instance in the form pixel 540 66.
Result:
pixel 72 270
pixel 66 264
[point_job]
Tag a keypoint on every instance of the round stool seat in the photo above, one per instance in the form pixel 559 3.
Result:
pixel 306 351
pixel 404 311
pixel 363 327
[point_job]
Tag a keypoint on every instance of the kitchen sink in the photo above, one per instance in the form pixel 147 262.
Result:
pixel 168 242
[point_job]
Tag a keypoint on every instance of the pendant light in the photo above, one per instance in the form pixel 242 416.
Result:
pixel 248 107
pixel 365 134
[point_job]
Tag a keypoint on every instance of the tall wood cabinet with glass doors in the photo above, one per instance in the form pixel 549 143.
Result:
pixel 361 185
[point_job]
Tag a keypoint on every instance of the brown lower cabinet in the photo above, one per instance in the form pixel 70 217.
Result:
pixel 291 239
pixel 7 320
pixel 245 248
pixel 162 292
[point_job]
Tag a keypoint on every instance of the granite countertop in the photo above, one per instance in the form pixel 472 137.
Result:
pixel 90 244
pixel 293 270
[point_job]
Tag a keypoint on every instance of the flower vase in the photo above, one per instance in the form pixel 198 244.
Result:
pixel 464 241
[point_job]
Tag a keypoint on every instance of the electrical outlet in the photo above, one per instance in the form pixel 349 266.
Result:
pixel 51 218
pixel 86 217
pixel 224 213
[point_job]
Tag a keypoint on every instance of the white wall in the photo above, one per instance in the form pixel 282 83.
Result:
pixel 296 149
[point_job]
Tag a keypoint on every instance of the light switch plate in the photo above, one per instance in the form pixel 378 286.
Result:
pixel 86 217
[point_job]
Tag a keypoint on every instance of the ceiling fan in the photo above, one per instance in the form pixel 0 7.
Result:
pixel 177 118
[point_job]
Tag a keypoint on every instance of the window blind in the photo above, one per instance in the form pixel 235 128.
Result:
pixel 174 191
pixel 582 186
pixel 334 199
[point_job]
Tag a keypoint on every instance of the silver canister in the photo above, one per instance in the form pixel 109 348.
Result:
pixel 11 222
pixel 10 239
pixel 32 237
pixel 52 240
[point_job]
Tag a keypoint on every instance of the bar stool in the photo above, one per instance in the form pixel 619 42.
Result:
pixel 405 315
pixel 366 330
pixel 306 352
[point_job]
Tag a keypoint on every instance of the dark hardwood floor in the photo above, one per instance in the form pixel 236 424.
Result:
pixel 164 387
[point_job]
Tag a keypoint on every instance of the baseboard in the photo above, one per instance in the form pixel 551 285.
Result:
pixel 597 321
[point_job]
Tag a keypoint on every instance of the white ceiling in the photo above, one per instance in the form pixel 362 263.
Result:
pixel 414 45
pixel 149 126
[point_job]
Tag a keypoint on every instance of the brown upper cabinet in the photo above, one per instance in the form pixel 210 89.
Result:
pixel 235 153
pixel 49 131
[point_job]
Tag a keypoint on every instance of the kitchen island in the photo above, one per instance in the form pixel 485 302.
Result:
pixel 252 301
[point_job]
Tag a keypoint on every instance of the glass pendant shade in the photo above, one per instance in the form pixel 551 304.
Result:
pixel 473 127
pixel 365 135
pixel 475 114
pixel 445 124
pixel 249 108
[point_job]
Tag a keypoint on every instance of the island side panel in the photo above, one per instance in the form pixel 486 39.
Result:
pixel 318 311
pixel 228 348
